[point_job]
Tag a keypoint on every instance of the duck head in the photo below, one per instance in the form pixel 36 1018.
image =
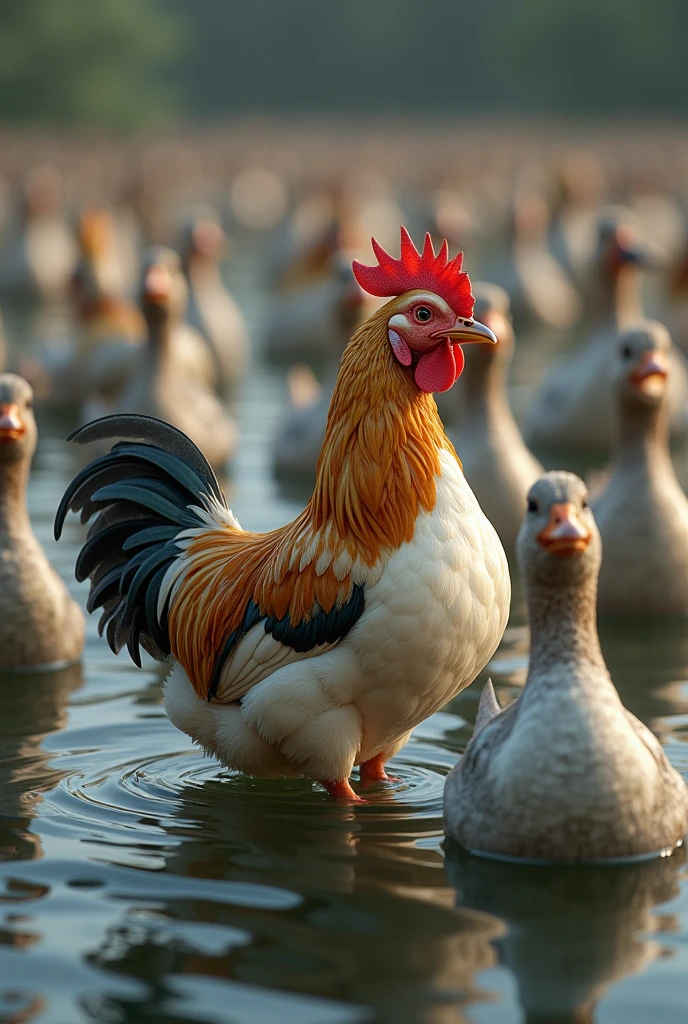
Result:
pixel 620 245
pixel 18 431
pixel 163 290
pixel 641 368
pixel 558 543
pixel 202 238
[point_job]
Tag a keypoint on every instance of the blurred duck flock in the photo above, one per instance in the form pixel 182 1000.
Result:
pixel 363 443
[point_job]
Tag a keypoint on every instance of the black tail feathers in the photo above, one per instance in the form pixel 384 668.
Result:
pixel 140 493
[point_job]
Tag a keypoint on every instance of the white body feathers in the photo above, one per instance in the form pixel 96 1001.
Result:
pixel 433 617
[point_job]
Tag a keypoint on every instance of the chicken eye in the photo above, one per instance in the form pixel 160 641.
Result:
pixel 626 351
pixel 532 505
pixel 423 314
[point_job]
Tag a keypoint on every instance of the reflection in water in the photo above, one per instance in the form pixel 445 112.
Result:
pixel 572 930
pixel 32 705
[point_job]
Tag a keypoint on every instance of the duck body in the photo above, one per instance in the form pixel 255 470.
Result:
pixel 40 624
pixel 495 459
pixel 565 772
pixel 643 509
pixel 540 291
pixel 574 408
pixel 39 261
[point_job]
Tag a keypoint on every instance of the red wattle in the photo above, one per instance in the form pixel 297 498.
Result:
pixel 438 370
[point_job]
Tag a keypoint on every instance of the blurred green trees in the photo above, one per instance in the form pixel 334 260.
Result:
pixel 127 64
pixel 597 56
pixel 86 62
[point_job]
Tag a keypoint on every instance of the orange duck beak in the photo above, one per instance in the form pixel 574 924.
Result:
pixel 565 533
pixel 650 377
pixel 11 424
pixel 157 284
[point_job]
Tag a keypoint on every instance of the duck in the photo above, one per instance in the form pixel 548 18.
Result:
pixel 87 374
pixel 163 384
pixel 579 187
pixel 498 465
pixel 301 434
pixel 40 259
pixel 40 624
pixel 312 324
pixel 111 329
pixel 542 295
pixel 565 772
pixel 573 409
pixel 643 509
pixel 211 309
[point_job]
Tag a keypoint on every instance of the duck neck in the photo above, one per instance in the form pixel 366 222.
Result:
pixel 642 437
pixel 619 300
pixel 160 328
pixel 14 515
pixel 484 391
pixel 563 625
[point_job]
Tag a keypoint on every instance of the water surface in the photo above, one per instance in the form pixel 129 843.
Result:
pixel 140 881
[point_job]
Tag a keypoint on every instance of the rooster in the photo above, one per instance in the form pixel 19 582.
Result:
pixel 320 645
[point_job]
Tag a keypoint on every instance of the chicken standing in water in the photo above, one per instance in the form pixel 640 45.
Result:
pixel 643 509
pixel 574 408
pixel 565 772
pixel 40 624
pixel 320 645
pixel 497 464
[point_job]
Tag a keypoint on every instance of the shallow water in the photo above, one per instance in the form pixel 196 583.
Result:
pixel 142 882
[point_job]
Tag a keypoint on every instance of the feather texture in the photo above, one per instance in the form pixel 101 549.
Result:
pixel 173 570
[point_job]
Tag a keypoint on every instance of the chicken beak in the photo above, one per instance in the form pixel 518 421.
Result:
pixel 11 424
pixel 466 331
pixel 565 533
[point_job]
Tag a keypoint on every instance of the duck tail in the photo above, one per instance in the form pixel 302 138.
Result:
pixel 152 487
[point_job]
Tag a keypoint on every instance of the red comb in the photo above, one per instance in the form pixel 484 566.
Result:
pixel 413 270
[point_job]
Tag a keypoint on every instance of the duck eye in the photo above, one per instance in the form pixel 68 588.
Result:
pixel 585 503
pixel 423 314
pixel 627 351
pixel 532 505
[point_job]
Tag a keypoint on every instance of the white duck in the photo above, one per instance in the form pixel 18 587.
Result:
pixel 540 290
pixel 574 407
pixel 211 309
pixel 565 772
pixel 643 509
pixel 497 464
pixel 39 261
pixel 164 384
pixel 40 624
pixel 305 320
